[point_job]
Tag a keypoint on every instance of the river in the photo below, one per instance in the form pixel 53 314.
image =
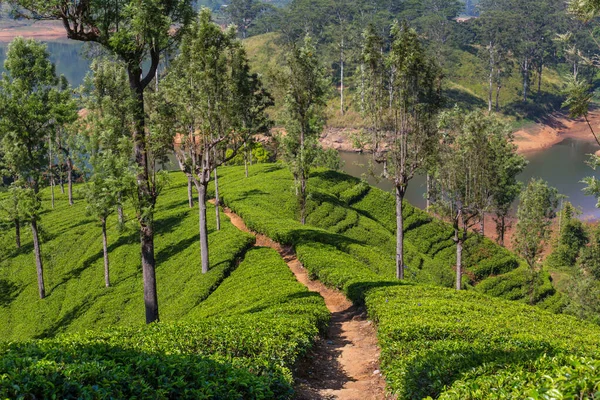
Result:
pixel 562 166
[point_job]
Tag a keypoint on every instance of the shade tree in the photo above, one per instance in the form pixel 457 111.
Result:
pixel 134 31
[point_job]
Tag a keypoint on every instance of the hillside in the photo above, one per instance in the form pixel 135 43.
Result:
pixel 464 85
pixel 242 335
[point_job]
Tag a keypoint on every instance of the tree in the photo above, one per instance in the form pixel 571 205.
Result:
pixel 251 100
pixel 31 106
pixel 134 31
pixel 207 88
pixel 243 13
pixel 306 86
pixel 537 205
pixel 465 174
pixel 105 132
pixel 503 187
pixel 403 126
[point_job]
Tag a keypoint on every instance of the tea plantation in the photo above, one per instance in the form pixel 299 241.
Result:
pixel 435 342
pixel 239 331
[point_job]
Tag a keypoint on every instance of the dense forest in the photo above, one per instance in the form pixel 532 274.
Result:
pixel 259 268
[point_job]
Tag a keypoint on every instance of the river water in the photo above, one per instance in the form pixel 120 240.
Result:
pixel 562 166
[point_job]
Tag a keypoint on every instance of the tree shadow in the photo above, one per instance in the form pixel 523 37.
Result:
pixel 168 224
pixel 61 324
pixel 463 98
pixel 170 251
pixel 8 292
pixel 433 370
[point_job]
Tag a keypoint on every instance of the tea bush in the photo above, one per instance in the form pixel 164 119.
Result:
pixel 73 267
pixel 439 342
pixel 241 343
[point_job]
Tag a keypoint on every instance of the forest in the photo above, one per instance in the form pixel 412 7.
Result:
pixel 177 226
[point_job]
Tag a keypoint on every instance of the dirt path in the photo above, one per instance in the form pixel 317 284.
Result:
pixel 345 364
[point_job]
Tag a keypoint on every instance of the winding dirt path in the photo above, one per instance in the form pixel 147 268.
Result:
pixel 345 364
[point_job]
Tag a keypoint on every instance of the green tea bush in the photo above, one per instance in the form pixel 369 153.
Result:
pixel 433 339
pixel 72 253
pixel 241 343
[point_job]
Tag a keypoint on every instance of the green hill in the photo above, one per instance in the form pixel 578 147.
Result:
pixel 239 331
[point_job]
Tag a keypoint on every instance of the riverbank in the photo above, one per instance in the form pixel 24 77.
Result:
pixel 40 30
pixel 555 129
pixel 529 139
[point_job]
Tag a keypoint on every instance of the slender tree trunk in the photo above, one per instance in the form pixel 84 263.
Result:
pixel 201 187
pixel 482 223
pixel 18 232
pixel 246 158
pixel 362 87
pixel 399 234
pixel 540 72
pixel 498 87
pixel 303 178
pixel 51 170
pixel 532 284
pixel 70 179
pixel 525 79
pixel 120 214
pixel 190 192
pixel 146 198
pixel 491 78
pixel 217 201
pixel 459 249
pixel 61 181
pixel 428 194
pixel 342 77
pixel 38 258
pixel 105 252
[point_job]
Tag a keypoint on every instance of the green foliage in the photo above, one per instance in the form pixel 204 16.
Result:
pixel 436 342
pixel 536 210
pixel 241 342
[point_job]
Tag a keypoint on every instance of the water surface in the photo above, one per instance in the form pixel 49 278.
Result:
pixel 562 166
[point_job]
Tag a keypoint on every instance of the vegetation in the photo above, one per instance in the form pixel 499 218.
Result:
pixel 227 350
pixel 77 298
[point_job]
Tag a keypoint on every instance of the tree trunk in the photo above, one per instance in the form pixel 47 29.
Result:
pixel 201 187
pixel 38 258
pixel 61 181
pixel 18 233
pixel 105 252
pixel 540 72
pixel 501 229
pixel 146 198
pixel 498 87
pixel 217 200
pixel 303 199
pixel 428 193
pixel 525 79
pixel 51 170
pixel 246 158
pixel 342 77
pixel 482 223
pixel 459 249
pixel 491 78
pixel 362 87
pixel 190 192
pixel 70 179
pixel 399 234
pixel 120 214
